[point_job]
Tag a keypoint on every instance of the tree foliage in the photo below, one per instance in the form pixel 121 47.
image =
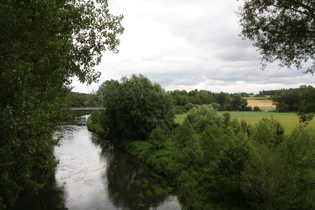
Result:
pixel 220 101
pixel 135 106
pixel 216 162
pixel 282 30
pixel 42 45
pixel 300 100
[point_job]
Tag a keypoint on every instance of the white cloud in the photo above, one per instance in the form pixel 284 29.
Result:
pixel 185 44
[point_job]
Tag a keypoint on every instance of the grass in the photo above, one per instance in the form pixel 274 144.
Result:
pixel 288 120
pixel 268 109
pixel 179 118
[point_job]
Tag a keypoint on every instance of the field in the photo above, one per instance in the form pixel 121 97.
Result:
pixel 265 104
pixel 288 120
pixel 260 103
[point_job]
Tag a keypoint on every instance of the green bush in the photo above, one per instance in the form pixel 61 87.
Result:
pixel 93 124
pixel 216 106
pixel 157 138
pixel 256 109
pixel 189 106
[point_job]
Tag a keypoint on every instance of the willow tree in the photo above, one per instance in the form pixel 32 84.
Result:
pixel 43 44
pixel 282 30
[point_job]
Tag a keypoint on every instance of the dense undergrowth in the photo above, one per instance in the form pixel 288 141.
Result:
pixel 215 162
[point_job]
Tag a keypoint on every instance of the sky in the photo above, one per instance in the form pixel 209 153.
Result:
pixel 187 45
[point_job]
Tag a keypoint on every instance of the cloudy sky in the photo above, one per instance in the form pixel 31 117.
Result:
pixel 190 44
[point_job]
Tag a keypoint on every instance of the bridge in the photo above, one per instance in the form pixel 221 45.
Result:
pixel 86 109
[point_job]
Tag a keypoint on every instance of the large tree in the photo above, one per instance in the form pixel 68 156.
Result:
pixel 135 106
pixel 281 29
pixel 42 45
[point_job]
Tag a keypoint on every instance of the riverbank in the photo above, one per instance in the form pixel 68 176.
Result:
pixel 138 149
pixel 216 162
pixel 178 159
pixel 93 173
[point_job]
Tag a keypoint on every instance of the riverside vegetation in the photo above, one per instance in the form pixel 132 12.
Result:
pixel 213 161
pixel 43 45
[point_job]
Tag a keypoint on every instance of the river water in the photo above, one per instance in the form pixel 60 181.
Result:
pixel 93 174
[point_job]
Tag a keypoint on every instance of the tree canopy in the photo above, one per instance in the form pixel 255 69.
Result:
pixel 135 106
pixel 282 30
pixel 42 45
pixel 299 100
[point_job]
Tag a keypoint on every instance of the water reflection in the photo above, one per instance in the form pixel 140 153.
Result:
pixel 131 184
pixel 92 174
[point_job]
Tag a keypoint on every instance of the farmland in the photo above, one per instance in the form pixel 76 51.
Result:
pixel 289 120
pixel 264 103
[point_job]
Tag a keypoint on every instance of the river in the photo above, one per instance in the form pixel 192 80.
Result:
pixel 94 174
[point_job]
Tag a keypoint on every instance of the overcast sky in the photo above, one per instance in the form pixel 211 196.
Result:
pixel 190 44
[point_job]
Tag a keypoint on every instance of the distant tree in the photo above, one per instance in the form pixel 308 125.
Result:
pixel 193 92
pixel 268 92
pixel 256 108
pixel 135 106
pixel 287 100
pixel 238 102
pixel 222 98
pixel 301 100
pixel 282 30
pixel 77 99
pixel 189 106
pixel 92 100
pixel 307 106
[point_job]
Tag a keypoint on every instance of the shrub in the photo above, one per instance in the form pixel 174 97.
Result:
pixel 157 138
pixel 256 109
pixel 189 106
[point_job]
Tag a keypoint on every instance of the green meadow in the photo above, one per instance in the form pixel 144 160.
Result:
pixel 289 120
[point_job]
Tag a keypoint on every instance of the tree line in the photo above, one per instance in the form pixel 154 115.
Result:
pixel 301 100
pixel 184 101
pixel 181 99
pixel 75 99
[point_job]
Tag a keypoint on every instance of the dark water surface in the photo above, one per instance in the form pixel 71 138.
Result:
pixel 93 174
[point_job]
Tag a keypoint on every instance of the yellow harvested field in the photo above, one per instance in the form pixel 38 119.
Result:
pixel 260 103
